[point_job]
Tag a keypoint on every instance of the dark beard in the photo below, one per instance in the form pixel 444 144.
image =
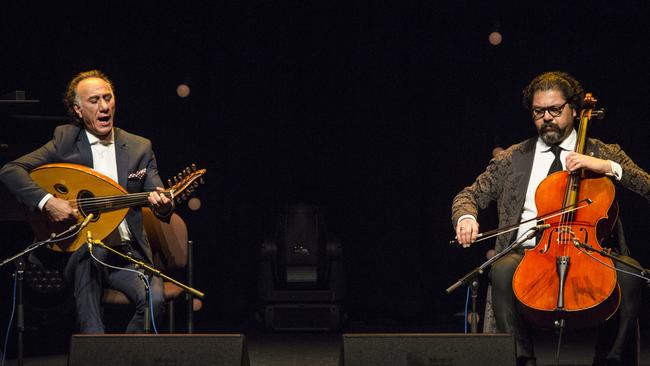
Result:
pixel 551 134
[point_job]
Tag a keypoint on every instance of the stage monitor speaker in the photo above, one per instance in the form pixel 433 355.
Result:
pixel 397 349
pixel 158 350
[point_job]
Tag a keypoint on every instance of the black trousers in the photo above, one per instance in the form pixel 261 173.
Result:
pixel 608 345
pixel 90 279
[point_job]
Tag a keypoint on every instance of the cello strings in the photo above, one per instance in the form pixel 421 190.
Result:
pixel 568 198
pixel 569 216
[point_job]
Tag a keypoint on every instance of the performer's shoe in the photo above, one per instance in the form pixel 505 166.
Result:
pixel 526 361
pixel 606 362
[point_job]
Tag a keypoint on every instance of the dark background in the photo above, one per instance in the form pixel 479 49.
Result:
pixel 378 113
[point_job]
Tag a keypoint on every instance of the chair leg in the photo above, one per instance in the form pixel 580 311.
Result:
pixel 20 316
pixel 190 282
pixel 172 318
pixel 190 314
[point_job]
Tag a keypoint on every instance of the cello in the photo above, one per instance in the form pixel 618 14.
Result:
pixel 557 281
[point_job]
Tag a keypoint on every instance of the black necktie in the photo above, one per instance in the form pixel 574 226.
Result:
pixel 556 166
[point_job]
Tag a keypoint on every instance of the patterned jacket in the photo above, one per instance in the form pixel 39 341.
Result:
pixel 506 180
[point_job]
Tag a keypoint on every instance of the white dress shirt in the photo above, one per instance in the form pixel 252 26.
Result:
pixel 104 161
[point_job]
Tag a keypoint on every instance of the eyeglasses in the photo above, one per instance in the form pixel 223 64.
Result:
pixel 554 110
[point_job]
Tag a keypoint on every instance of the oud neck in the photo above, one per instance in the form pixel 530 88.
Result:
pixel 109 203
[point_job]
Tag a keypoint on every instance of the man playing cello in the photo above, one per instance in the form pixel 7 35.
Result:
pixel 512 178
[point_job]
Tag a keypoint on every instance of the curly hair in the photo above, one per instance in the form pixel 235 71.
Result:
pixel 70 97
pixel 565 83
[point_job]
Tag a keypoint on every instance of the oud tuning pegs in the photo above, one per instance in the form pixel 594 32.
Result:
pixel 201 181
pixel 188 171
pixel 179 200
pixel 175 180
pixel 169 182
pixel 195 184
pixel 193 167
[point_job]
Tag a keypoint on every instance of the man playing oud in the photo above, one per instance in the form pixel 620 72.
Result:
pixel 92 140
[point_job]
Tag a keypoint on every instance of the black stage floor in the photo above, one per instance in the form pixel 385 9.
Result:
pixel 323 349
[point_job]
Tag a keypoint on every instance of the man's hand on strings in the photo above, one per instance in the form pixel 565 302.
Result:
pixel 466 232
pixel 575 161
pixel 59 210
pixel 159 202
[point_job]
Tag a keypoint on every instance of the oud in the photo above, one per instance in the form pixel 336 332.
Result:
pixel 92 192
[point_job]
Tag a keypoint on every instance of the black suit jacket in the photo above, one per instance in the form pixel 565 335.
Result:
pixel 70 145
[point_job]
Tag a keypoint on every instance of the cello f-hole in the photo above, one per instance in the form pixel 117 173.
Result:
pixel 547 245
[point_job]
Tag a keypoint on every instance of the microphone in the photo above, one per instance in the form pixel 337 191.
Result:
pixel 83 224
pixel 532 232
pixel 578 244
pixel 537 227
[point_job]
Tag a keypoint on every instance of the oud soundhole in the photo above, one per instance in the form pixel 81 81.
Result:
pixel 87 205
pixel 60 188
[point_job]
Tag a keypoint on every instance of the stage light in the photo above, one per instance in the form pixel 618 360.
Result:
pixel 495 38
pixel 194 204
pixel 183 90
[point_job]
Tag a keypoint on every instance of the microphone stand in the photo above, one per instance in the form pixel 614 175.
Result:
pixel 149 269
pixel 20 309
pixel 32 247
pixel 472 276
pixel 645 273
pixel 20 274
pixel 147 305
